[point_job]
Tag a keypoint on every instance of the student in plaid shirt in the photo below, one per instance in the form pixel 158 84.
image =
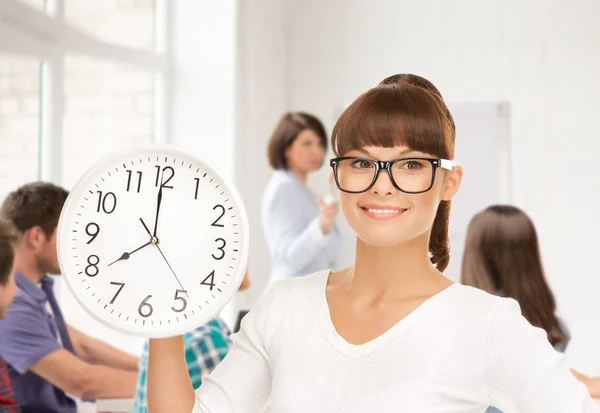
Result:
pixel 205 347
pixel 8 239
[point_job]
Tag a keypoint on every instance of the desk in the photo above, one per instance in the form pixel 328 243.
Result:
pixel 126 405
pixel 114 405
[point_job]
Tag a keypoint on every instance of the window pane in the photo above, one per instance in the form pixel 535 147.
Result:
pixel 36 4
pixel 122 22
pixel 108 107
pixel 19 121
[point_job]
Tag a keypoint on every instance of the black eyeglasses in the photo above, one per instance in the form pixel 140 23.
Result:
pixel 409 175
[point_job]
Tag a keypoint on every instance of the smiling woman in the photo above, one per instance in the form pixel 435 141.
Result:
pixel 391 332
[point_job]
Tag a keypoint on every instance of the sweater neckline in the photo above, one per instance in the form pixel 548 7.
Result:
pixel 356 351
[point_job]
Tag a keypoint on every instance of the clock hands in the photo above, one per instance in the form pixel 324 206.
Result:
pixel 146 228
pixel 165 258
pixel 155 242
pixel 158 202
pixel 126 255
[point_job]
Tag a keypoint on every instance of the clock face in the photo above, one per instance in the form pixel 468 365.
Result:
pixel 153 243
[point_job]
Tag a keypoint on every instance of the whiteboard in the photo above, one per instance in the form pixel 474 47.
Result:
pixel 483 150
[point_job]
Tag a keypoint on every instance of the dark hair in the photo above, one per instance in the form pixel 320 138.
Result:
pixel 8 242
pixel 34 204
pixel 502 256
pixel 409 110
pixel 287 130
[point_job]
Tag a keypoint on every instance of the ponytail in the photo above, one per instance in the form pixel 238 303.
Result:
pixel 439 242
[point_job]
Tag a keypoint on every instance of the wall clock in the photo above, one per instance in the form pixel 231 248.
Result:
pixel 153 242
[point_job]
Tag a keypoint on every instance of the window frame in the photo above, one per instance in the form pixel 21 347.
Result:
pixel 48 37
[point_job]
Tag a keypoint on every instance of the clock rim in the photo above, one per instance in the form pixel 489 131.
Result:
pixel 237 277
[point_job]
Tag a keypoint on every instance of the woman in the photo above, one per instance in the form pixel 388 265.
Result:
pixel 502 257
pixel 298 226
pixel 390 333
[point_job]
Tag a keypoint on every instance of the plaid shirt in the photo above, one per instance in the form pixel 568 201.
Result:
pixel 205 347
pixel 8 404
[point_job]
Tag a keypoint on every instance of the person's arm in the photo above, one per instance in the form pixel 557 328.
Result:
pixel 524 373
pixel 592 383
pixel 245 282
pixel 240 383
pixel 85 381
pixel 290 240
pixel 28 344
pixel 169 388
pixel 97 352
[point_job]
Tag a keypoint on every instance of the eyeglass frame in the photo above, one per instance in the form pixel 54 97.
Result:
pixel 387 165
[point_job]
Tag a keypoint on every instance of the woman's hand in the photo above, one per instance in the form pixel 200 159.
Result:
pixel 328 213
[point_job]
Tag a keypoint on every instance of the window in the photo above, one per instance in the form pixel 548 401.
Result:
pixel 78 81
pixel 108 107
pixel 37 4
pixel 123 22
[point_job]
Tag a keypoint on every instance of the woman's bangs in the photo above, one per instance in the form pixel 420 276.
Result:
pixel 394 115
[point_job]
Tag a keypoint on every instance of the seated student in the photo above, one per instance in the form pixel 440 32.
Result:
pixel 47 359
pixel 502 257
pixel 205 347
pixel 8 240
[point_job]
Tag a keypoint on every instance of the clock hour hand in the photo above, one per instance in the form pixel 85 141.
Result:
pixel 126 255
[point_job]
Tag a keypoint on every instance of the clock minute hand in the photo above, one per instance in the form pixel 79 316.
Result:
pixel 158 202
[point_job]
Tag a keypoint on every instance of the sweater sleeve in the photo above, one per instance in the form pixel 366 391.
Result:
pixel 524 373
pixel 241 383
pixel 291 241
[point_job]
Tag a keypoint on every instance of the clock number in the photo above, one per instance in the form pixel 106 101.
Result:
pixel 165 181
pixel 216 224
pixel 139 184
pixel 221 248
pixel 92 269
pixel 177 298
pixel 88 230
pixel 103 204
pixel 197 185
pixel 118 291
pixel 210 283
pixel 147 306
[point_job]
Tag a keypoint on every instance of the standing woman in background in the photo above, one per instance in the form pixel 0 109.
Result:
pixel 502 257
pixel 298 225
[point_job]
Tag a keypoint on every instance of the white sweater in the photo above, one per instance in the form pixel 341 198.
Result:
pixel 460 351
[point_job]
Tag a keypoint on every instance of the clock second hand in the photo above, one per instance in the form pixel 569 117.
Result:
pixel 163 255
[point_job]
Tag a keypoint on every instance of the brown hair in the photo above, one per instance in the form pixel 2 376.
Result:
pixel 502 256
pixel 34 204
pixel 408 110
pixel 287 130
pixel 8 242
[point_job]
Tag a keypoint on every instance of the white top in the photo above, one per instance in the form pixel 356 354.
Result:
pixel 290 223
pixel 460 351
